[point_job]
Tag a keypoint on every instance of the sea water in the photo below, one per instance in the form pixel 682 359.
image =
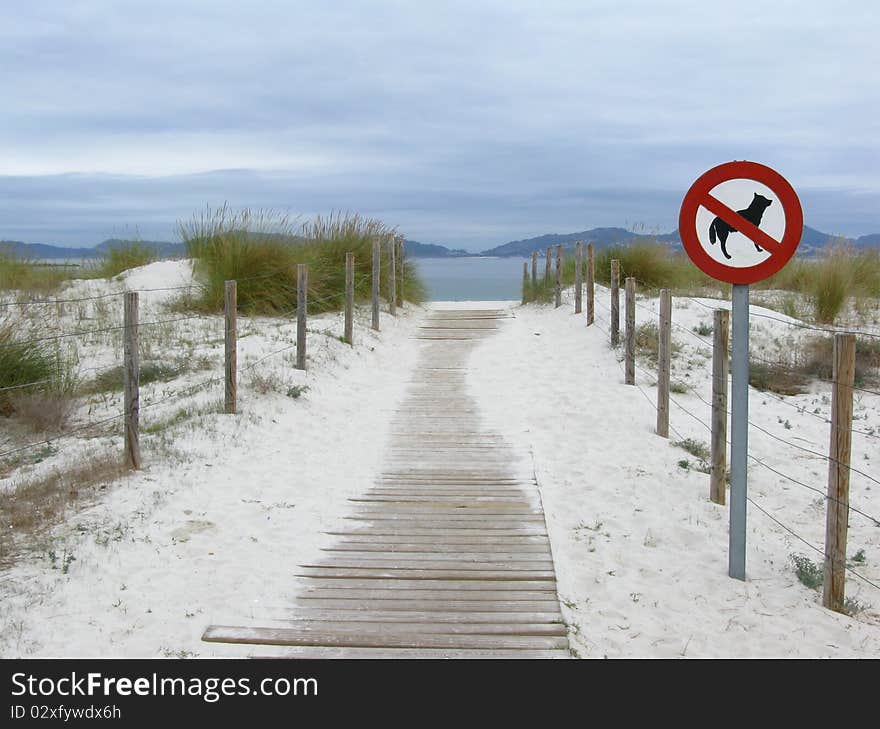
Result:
pixel 472 279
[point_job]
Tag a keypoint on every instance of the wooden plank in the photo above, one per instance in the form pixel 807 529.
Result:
pixel 365 627
pixel 427 573
pixel 398 547
pixel 291 636
pixel 420 585
pixel 356 615
pixel 344 592
pixel 451 540
pixel 439 518
pixel 323 652
pixel 438 532
pixel 445 513
pixel 341 560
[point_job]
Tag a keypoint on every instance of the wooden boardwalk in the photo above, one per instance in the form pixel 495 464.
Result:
pixel 447 554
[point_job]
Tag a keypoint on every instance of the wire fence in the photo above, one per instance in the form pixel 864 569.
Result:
pixel 874 520
pixel 9 450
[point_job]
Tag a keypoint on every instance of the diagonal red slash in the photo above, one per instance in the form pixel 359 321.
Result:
pixel 732 218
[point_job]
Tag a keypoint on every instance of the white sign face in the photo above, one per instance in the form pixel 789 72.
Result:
pixel 754 201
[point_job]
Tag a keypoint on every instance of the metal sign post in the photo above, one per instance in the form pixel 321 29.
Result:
pixel 739 431
pixel 740 222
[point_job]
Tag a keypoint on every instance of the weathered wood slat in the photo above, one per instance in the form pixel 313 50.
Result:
pixel 447 553
pixel 377 615
pixel 404 548
pixel 323 652
pixel 344 592
pixel 364 627
pixel 420 585
pixel 402 558
pixel 407 558
pixel 292 636
pixel 467 536
pixel 427 573
pixel 437 531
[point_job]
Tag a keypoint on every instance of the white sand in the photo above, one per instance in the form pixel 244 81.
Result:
pixel 212 532
pixel 640 552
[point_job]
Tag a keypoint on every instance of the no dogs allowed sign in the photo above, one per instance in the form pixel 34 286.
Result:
pixel 741 222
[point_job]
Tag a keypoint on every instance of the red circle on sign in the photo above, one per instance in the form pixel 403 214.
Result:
pixel 699 196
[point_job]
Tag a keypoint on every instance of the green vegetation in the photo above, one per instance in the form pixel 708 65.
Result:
pixel 812 358
pixel 28 276
pixel 39 378
pixel 654 265
pixel 777 377
pixel 695 447
pixel 261 249
pixel 841 274
pixel 807 571
pixel 123 257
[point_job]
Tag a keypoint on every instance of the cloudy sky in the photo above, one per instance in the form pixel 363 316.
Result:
pixel 462 123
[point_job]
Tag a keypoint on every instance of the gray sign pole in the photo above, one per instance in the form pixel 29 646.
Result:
pixel 739 431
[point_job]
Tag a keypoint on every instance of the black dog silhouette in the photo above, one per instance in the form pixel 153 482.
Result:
pixel 753 213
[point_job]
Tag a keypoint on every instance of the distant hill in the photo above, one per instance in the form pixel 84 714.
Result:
pixel 599 237
pixel 38 251
pixel 430 250
pixel 812 240
pixel 163 249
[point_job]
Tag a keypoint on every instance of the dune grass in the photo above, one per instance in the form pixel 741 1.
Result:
pixel 828 283
pixel 121 258
pixel 38 380
pixel 19 274
pixel 261 249
pixel 653 264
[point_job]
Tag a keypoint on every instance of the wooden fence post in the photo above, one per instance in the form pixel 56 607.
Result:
pixel 720 369
pixel 534 270
pixel 630 330
pixel 349 298
pixel 230 307
pixel 525 283
pixel 578 287
pixel 131 382
pixel 302 286
pixel 615 302
pixel 400 271
pixel 837 514
pixel 376 270
pixel 591 285
pixel 664 362
pixel 392 279
pixel 547 258
pixel 558 276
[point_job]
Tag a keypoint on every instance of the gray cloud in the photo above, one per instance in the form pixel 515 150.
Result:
pixel 461 123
